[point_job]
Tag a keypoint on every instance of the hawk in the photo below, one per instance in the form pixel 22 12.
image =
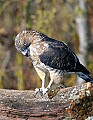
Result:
pixel 49 56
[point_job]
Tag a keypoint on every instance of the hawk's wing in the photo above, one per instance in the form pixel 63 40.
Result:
pixel 59 56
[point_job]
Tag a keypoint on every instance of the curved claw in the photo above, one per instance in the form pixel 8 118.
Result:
pixel 36 91
pixel 42 91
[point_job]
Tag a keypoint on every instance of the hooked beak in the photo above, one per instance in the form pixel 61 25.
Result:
pixel 26 52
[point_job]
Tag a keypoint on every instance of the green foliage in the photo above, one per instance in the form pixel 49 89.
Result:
pixel 1 76
pixel 19 71
pixel 42 19
pixel 28 15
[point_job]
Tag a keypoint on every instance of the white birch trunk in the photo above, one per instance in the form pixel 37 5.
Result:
pixel 81 22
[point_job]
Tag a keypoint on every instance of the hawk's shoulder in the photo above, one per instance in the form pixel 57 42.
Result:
pixel 59 56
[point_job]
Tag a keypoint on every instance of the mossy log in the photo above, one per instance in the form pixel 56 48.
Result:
pixel 69 103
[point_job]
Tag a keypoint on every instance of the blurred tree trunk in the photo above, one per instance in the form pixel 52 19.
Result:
pixel 23 14
pixel 83 30
pixel 19 72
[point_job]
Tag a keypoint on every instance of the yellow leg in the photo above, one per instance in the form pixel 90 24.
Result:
pixel 42 75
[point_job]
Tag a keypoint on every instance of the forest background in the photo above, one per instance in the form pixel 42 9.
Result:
pixel 70 21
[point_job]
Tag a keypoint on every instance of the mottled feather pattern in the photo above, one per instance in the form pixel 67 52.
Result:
pixel 49 56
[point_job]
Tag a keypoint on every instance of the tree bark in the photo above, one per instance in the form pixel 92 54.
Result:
pixel 69 103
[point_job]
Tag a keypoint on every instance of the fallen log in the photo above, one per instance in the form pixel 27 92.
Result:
pixel 69 103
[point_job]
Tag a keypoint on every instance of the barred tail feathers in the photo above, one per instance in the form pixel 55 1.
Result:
pixel 86 77
pixel 84 73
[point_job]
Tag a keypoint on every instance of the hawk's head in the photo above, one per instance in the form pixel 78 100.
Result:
pixel 24 39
